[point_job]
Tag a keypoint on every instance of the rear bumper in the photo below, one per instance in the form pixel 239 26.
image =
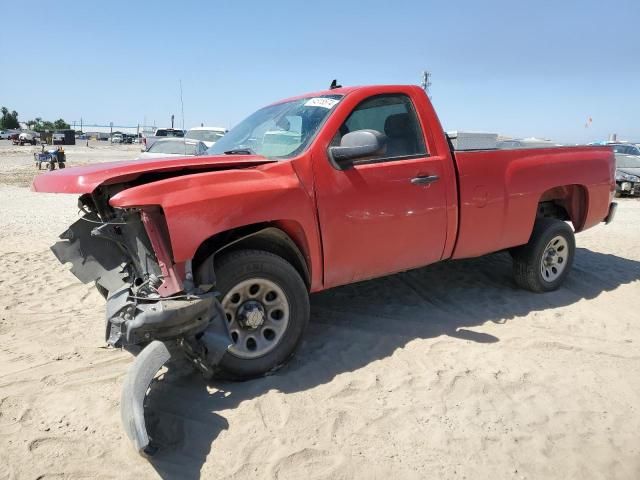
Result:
pixel 613 207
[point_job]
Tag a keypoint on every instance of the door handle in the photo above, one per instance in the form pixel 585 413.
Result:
pixel 425 180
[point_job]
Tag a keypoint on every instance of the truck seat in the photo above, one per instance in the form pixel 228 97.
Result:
pixel 401 135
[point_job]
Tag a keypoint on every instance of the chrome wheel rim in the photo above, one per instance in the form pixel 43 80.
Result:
pixel 554 259
pixel 257 314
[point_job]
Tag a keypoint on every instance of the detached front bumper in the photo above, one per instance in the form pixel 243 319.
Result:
pixel 132 322
pixel 133 271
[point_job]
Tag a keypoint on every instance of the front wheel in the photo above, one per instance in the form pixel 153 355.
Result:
pixel 266 304
pixel 545 261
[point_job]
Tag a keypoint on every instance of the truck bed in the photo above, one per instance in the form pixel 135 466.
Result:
pixel 499 192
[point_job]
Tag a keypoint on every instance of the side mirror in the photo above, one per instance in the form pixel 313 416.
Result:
pixel 357 144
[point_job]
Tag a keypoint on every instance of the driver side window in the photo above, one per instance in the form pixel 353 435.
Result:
pixel 393 116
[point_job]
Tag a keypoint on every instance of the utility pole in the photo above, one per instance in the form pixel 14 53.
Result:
pixel 426 82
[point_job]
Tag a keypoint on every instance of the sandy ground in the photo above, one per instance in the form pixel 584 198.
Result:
pixel 442 372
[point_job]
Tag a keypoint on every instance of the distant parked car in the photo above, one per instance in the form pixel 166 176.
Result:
pixel 175 147
pixel 627 174
pixel 208 135
pixel 117 138
pixel 158 134
pixel 4 134
pixel 625 148
pixel 526 143
pixel 28 137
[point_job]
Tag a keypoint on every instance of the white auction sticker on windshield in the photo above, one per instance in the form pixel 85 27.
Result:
pixel 321 102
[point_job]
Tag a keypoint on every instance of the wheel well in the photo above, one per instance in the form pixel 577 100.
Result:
pixel 261 236
pixel 552 209
pixel 564 203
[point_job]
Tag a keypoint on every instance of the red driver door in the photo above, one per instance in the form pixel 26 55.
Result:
pixel 387 213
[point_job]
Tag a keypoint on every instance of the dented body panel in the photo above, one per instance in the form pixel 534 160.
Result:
pixel 86 178
pixel 209 203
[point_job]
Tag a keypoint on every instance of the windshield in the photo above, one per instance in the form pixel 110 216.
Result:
pixel 627 161
pixel 205 135
pixel 278 131
pixel 175 148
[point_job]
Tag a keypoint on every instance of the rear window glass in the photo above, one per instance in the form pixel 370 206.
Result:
pixel 169 133
pixel 175 148
pixel 205 135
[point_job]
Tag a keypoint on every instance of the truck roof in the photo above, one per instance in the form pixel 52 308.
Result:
pixel 346 91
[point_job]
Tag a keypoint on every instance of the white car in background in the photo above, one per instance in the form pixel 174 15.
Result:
pixel 208 135
pixel 174 147
pixel 160 133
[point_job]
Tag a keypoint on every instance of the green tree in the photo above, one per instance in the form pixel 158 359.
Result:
pixel 60 124
pixel 47 125
pixel 9 120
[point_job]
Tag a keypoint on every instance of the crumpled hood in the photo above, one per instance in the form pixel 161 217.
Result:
pixel 86 178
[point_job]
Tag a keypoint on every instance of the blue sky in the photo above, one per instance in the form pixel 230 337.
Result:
pixel 518 68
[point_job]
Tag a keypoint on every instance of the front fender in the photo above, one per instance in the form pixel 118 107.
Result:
pixel 199 206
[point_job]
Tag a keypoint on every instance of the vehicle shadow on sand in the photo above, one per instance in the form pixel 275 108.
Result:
pixel 354 325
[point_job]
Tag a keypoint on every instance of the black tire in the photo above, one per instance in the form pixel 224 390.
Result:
pixel 238 266
pixel 51 166
pixel 61 165
pixel 528 259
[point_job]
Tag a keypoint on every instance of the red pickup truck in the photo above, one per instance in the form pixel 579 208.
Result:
pixel 214 257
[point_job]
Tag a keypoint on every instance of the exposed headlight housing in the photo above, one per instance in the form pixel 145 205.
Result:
pixel 621 176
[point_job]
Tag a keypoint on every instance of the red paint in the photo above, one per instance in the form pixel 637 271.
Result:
pixel 367 221
pixel 153 223
pixel 86 178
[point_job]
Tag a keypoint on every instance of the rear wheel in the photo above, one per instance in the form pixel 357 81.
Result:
pixel 545 261
pixel 266 305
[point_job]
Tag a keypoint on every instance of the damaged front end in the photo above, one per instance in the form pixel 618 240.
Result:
pixel 152 304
